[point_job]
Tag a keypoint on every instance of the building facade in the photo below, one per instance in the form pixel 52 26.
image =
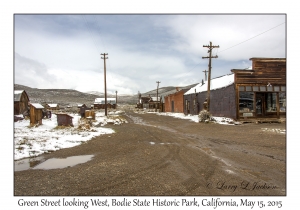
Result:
pixel 259 92
pixel 174 102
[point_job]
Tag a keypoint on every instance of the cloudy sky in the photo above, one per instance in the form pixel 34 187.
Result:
pixel 64 51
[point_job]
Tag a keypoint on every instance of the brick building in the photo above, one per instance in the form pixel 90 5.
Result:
pixel 174 102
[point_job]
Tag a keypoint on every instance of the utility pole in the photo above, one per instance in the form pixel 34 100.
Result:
pixel 116 98
pixel 104 58
pixel 205 74
pixel 157 96
pixel 210 47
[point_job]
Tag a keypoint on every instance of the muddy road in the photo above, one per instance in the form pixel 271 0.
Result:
pixel 161 155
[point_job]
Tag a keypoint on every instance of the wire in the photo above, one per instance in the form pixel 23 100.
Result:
pixel 88 27
pixel 244 41
pixel 252 37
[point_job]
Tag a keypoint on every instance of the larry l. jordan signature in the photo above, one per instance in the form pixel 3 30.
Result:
pixel 244 185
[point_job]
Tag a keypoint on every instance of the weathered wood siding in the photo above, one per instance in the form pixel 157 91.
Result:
pixel 271 71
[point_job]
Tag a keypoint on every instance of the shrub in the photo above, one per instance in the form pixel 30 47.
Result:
pixel 204 115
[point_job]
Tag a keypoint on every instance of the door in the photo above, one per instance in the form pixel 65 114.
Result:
pixel 260 104
pixel 172 106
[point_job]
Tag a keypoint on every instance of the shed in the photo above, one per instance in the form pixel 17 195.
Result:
pixel 21 101
pixel 64 119
pixel 52 106
pixel 36 113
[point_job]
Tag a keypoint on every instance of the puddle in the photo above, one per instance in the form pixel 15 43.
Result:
pixel 25 164
pixel 53 163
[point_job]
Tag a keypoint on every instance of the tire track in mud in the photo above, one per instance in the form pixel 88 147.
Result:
pixel 195 178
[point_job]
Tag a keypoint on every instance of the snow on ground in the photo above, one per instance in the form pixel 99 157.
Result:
pixel 36 140
pixel 194 118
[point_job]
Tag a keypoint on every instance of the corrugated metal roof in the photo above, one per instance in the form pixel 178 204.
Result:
pixel 37 105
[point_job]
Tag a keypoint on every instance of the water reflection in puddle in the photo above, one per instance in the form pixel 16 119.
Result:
pixel 53 163
pixel 25 164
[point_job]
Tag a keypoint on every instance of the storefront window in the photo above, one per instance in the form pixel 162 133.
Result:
pixel 246 101
pixel 282 88
pixel 269 88
pixel 248 88
pixel 276 88
pixel 262 88
pixel 282 102
pixel 241 88
pixel 271 102
pixel 255 88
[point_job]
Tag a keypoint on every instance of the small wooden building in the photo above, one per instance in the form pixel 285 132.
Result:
pixel 155 103
pixel 36 113
pixel 52 106
pixel 64 119
pixel 259 92
pixel 100 103
pixel 21 102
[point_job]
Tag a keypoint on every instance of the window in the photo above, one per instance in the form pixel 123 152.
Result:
pixel 246 102
pixel 282 88
pixel 262 88
pixel 276 88
pixel 248 88
pixel 282 102
pixel 270 88
pixel 271 102
pixel 255 88
pixel 241 88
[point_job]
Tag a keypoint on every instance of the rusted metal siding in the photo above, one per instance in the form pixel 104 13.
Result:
pixel 222 102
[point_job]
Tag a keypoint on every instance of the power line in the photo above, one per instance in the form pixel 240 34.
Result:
pixel 88 27
pixel 242 42
pixel 252 37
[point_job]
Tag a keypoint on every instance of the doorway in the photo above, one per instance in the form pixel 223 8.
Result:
pixel 260 104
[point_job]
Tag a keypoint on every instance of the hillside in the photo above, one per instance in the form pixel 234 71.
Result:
pixel 65 97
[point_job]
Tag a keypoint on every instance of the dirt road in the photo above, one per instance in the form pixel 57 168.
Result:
pixel 161 155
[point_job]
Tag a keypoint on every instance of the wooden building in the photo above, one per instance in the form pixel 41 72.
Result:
pixel 174 101
pixel 100 103
pixel 52 106
pixel 21 102
pixel 36 114
pixel 154 102
pixel 259 92
pixel 64 119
